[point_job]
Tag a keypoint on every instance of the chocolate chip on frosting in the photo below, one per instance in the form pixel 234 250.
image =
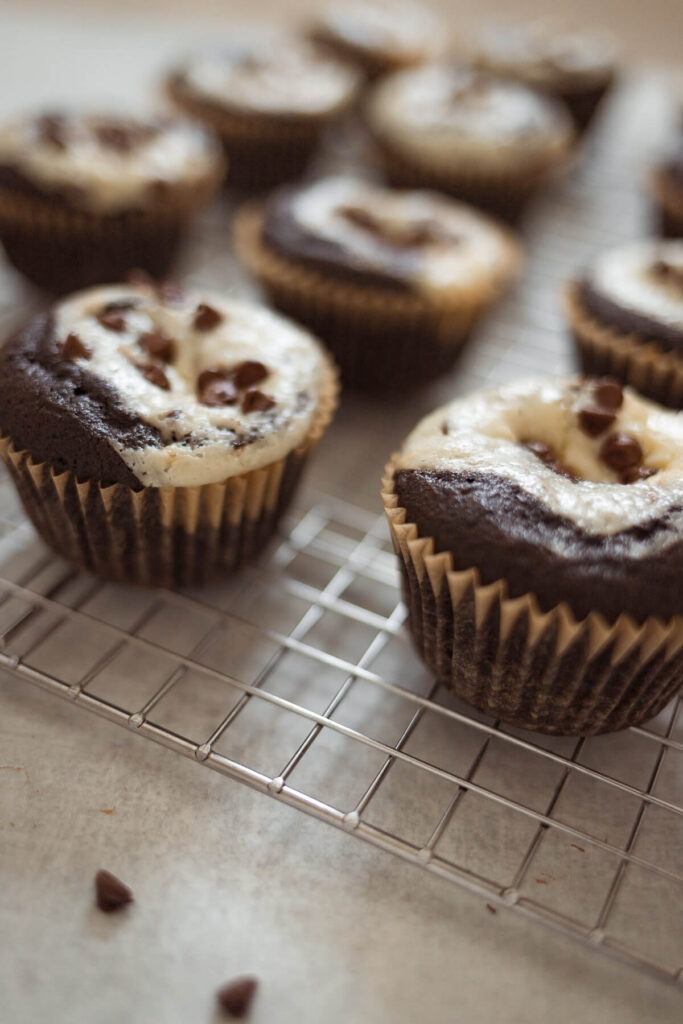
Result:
pixel 667 272
pixel 158 345
pixel 248 373
pixel 547 456
pixel 621 452
pixel 112 319
pixel 73 348
pixel 635 473
pixel 255 401
pixel 215 388
pixel 206 318
pixel 235 998
pixel 608 393
pixel 595 421
pixel 52 130
pixel 404 235
pixel 154 373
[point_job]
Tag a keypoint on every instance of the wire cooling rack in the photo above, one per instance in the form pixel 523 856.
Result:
pixel 297 676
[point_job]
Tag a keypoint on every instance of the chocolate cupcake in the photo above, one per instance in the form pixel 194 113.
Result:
pixel 268 96
pixel 626 316
pixel 577 68
pixel 539 529
pixel 487 141
pixel 379 37
pixel 666 190
pixel 156 437
pixel 393 282
pixel 85 197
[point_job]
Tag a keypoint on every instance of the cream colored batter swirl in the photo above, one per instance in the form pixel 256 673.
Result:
pixel 271 72
pixel 631 277
pixel 109 177
pixel 199 439
pixel 485 432
pixel 450 114
pixel 460 249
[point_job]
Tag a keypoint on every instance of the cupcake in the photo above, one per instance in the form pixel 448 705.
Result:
pixel 626 317
pixel 577 68
pixel 487 141
pixel 666 190
pixel 379 36
pixel 269 96
pixel 539 530
pixel 85 197
pixel 393 282
pixel 156 437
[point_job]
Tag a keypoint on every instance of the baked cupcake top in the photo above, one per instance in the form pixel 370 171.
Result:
pixel 638 289
pixel 446 113
pixel 146 385
pixel 398 34
pixel 271 73
pixel 537 55
pixel 416 241
pixel 104 162
pixel 570 481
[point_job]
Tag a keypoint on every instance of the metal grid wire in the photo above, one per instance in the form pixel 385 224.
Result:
pixel 297 676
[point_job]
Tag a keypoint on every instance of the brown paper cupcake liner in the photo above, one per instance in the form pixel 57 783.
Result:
pixel 162 536
pixel 63 249
pixel 382 340
pixel 667 197
pixel 504 193
pixel 605 351
pixel 545 671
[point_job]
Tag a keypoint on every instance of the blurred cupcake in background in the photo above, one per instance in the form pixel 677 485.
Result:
pixel 380 36
pixel 666 191
pixel 488 141
pixel 86 196
pixel 577 68
pixel 269 95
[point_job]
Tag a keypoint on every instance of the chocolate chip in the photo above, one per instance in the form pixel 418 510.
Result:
pixel 110 892
pixel 236 997
pixel 445 428
pixel 115 137
pixel 635 473
pixel 255 401
pixel 541 451
pixel 621 451
pixel 158 345
pixel 248 373
pixel 52 129
pixel 669 273
pixel 595 421
pixel 112 320
pixel 73 348
pixel 608 393
pixel 206 318
pixel 359 216
pixel 154 373
pixel 215 388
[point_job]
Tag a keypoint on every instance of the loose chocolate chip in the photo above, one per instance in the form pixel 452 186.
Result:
pixel 248 373
pixel 595 421
pixel 110 892
pixel 215 388
pixel 608 393
pixel 158 345
pixel 255 401
pixel 52 129
pixel 73 348
pixel 236 997
pixel 206 317
pixel 621 451
pixel 154 373
pixel 635 473
pixel 112 320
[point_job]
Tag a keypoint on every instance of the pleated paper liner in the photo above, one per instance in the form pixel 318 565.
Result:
pixel 667 197
pixel 263 151
pixel 504 193
pixel 64 249
pixel 606 351
pixel 163 536
pixel 382 339
pixel 544 671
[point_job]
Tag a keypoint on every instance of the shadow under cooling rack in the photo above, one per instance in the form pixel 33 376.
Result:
pixel 298 679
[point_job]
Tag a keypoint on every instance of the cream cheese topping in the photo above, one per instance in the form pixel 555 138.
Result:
pixel 401 30
pixel 541 56
pixel 272 72
pixel 445 113
pixel 201 443
pixel 107 177
pixel 627 276
pixel 486 431
pixel 463 248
